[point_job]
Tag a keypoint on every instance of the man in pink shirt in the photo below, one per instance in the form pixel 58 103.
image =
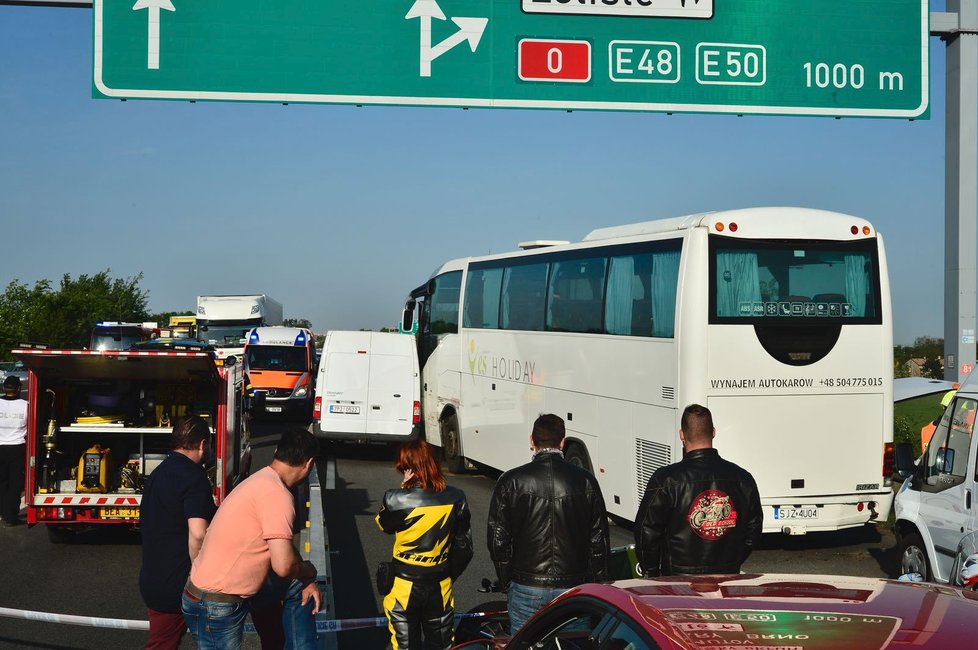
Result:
pixel 250 540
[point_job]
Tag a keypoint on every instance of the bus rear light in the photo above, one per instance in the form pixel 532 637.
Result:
pixel 889 462
pixel 860 507
pixel 317 408
pixel 854 230
pixel 719 226
pixel 417 412
pixel 866 230
pixel 733 227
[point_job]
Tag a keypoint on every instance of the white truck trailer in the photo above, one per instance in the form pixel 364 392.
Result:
pixel 224 321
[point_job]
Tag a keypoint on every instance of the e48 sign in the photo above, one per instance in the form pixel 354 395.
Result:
pixel 794 57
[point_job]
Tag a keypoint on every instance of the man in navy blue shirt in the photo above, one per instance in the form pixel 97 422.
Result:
pixel 177 506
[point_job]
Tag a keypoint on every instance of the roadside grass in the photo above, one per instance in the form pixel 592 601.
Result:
pixel 909 416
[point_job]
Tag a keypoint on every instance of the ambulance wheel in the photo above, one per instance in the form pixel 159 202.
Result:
pixel 60 534
pixel 913 556
pixel 452 445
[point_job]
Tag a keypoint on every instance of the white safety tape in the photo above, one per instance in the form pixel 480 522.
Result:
pixel 69 619
pixel 323 626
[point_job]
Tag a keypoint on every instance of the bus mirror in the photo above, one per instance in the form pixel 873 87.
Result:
pixel 408 326
pixel 230 361
pixel 430 289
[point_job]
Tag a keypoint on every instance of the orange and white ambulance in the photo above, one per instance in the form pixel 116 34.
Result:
pixel 279 366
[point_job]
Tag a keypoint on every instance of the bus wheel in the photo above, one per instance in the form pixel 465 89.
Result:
pixel 451 444
pixel 576 455
pixel 913 556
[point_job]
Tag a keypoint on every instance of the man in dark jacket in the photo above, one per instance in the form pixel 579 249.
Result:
pixel 548 530
pixel 177 507
pixel 700 515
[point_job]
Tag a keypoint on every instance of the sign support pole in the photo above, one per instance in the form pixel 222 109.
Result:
pixel 959 29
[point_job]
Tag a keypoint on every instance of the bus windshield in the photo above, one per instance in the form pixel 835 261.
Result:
pixel 786 282
pixel 274 357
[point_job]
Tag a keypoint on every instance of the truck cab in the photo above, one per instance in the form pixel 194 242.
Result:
pixel 935 506
pixel 279 364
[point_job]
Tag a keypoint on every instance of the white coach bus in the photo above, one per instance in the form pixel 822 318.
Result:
pixel 777 319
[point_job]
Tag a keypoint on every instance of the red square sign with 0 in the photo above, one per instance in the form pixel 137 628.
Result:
pixel 547 60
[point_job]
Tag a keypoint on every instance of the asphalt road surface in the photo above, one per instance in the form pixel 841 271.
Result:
pixel 97 574
pixel 363 473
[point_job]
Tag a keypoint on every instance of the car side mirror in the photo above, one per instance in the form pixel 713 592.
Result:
pixel 903 457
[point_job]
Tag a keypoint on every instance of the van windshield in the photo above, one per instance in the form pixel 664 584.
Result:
pixel 115 338
pixel 274 357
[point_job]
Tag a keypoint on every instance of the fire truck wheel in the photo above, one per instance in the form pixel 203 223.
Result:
pixel 60 534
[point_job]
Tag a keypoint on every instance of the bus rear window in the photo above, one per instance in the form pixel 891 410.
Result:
pixel 785 282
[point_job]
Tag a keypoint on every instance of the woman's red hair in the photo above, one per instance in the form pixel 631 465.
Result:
pixel 416 456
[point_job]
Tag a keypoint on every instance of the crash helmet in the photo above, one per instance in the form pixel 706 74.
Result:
pixel 969 572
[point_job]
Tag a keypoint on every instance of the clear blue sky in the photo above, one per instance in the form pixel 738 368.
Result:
pixel 339 211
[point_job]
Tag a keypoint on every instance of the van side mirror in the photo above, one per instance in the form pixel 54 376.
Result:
pixel 945 460
pixel 903 457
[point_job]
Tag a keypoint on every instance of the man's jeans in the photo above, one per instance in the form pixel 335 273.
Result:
pixel 525 601
pixel 214 625
pixel 219 626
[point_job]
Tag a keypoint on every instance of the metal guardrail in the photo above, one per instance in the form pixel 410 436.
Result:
pixel 314 544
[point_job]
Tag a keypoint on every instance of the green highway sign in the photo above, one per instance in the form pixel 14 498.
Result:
pixel 792 57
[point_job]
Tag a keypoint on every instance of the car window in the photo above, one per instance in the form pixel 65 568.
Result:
pixel 580 623
pixel 624 637
pixel 946 458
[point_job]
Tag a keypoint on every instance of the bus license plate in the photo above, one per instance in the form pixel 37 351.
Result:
pixel 342 408
pixel 273 409
pixel 120 513
pixel 795 513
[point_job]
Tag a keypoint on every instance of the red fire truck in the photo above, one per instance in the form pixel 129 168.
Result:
pixel 99 422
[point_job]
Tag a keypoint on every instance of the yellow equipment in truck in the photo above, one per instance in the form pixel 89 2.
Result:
pixel 94 468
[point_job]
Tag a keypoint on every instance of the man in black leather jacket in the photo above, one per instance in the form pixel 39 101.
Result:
pixel 548 530
pixel 700 515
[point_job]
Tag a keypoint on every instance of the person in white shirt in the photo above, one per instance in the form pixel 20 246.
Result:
pixel 13 436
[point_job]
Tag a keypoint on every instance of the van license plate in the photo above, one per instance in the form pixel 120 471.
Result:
pixel 795 513
pixel 342 408
pixel 120 513
pixel 273 409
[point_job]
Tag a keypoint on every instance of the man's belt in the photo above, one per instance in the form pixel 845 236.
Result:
pixel 212 596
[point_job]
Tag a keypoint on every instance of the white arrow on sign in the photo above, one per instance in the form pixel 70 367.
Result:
pixel 153 46
pixel 469 29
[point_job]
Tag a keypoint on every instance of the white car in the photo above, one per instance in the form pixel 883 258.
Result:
pixel 15 368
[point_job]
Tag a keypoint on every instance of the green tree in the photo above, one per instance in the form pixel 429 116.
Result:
pixel 297 322
pixel 933 368
pixel 64 317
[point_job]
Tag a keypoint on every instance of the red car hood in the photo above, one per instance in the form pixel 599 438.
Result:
pixel 796 611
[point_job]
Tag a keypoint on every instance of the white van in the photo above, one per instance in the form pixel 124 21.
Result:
pixel 936 505
pixel 368 387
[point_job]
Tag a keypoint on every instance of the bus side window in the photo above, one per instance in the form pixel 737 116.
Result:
pixel 444 303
